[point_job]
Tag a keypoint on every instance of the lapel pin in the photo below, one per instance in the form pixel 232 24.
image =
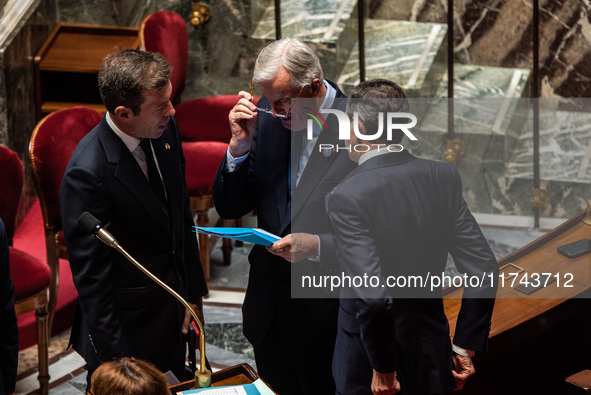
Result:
pixel 166 146
pixel 327 152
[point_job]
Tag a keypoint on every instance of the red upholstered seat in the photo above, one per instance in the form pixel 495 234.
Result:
pixel 205 160
pixel 61 240
pixel 166 32
pixel 30 276
pixel 206 118
pixel 52 143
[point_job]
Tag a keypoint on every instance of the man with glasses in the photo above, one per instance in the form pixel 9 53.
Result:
pixel 276 166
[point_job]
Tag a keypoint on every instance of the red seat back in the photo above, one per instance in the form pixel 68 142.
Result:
pixel 166 32
pixel 11 185
pixel 206 118
pixel 52 144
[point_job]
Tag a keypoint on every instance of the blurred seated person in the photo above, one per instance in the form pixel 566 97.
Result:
pixel 8 323
pixel 127 376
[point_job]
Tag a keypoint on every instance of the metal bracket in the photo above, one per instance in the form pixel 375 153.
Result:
pixel 539 200
pixel 200 14
pixel 454 151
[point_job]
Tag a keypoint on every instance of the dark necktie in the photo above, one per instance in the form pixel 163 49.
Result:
pixel 153 175
pixel 294 161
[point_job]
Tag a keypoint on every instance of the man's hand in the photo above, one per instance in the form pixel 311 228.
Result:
pixel 384 383
pixel 463 368
pixel 188 317
pixel 243 122
pixel 295 246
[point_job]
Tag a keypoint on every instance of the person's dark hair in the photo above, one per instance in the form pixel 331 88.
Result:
pixel 125 77
pixel 372 97
pixel 128 376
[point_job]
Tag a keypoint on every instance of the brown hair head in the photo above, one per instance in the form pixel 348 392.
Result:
pixel 128 376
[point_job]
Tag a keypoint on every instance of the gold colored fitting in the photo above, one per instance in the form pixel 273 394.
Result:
pixel 200 14
pixel 454 151
pixel 539 200
pixel 587 218
pixel 511 274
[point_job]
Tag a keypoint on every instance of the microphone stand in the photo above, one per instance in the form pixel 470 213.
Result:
pixel 202 375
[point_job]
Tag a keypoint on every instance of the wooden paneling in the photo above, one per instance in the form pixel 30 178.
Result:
pixel 67 64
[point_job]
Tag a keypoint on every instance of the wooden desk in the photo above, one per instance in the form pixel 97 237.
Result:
pixel 67 64
pixel 234 375
pixel 537 340
pixel 514 308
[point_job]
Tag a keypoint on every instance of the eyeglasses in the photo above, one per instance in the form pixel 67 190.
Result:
pixel 269 111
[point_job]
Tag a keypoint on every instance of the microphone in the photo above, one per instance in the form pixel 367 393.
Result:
pixel 91 224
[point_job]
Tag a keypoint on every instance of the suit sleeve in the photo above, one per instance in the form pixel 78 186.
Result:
pixel 328 259
pixel 91 261
pixel 196 283
pixel 473 256
pixel 8 326
pixel 233 192
pixel 358 255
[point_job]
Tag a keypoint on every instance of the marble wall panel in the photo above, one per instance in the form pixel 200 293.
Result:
pixel 329 26
pixel 222 53
pixel 228 335
pixel 315 20
pixel 401 51
pixel 485 99
pixel 500 33
pixel 104 12
pixel 488 189
pixel 17 87
pixel 565 148
pixel 491 34
pixel 19 74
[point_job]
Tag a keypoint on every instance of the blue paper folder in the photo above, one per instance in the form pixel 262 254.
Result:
pixel 249 235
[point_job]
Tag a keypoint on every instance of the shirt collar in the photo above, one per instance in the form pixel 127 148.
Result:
pixel 372 154
pixel 331 94
pixel 130 142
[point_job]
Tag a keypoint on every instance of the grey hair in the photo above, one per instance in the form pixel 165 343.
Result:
pixel 299 60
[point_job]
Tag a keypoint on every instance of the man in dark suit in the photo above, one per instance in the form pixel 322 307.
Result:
pixel 395 218
pixel 129 173
pixel 293 339
pixel 8 323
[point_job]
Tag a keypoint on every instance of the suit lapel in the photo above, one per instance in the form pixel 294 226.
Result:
pixel 318 164
pixel 315 169
pixel 168 162
pixel 128 172
pixel 279 145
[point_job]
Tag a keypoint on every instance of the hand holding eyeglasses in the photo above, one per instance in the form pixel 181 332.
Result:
pixel 243 122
